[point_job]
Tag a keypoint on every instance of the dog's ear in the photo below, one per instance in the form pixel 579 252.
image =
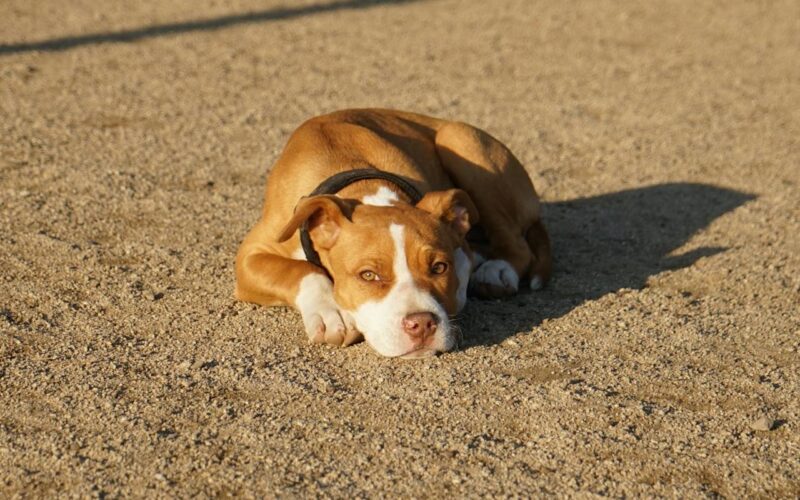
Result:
pixel 325 214
pixel 453 206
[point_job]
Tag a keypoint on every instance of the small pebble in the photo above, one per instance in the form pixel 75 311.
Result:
pixel 763 424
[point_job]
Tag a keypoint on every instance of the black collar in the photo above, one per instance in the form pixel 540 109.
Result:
pixel 336 183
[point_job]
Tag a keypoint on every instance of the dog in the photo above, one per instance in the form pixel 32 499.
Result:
pixel 377 224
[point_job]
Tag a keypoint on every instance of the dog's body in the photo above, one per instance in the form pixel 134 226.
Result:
pixel 393 271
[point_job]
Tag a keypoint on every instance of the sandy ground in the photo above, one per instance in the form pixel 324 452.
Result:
pixel 663 136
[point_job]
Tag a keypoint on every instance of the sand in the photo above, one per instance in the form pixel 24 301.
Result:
pixel 135 138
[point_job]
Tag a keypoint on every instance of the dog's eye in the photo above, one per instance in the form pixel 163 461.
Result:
pixel 439 268
pixel 369 276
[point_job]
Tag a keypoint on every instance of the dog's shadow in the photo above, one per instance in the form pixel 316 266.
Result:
pixel 601 245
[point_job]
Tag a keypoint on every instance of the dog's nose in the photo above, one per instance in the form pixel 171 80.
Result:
pixel 420 325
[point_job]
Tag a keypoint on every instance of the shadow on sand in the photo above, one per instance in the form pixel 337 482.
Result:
pixel 601 245
pixel 69 42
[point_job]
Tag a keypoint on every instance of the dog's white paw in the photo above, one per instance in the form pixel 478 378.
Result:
pixel 323 321
pixel 537 283
pixel 494 278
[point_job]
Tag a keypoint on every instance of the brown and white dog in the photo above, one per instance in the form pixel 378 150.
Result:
pixel 386 255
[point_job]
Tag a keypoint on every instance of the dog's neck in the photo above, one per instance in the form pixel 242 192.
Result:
pixel 374 186
pixel 338 182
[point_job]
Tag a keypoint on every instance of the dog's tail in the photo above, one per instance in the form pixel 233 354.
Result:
pixel 542 263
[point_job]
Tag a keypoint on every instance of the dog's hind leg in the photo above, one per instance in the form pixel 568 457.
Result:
pixel 542 262
pixel 518 249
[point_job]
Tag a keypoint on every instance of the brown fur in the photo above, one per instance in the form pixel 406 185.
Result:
pixel 433 154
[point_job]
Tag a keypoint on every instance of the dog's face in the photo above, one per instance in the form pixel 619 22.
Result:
pixel 399 271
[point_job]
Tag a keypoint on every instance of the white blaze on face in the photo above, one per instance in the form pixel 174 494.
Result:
pixel 383 197
pixel 381 321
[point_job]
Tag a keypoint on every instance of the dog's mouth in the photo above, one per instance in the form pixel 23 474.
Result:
pixel 426 351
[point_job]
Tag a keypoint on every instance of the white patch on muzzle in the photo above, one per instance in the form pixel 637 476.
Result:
pixel 381 321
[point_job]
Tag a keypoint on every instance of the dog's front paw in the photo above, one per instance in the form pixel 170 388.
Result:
pixel 327 324
pixel 323 321
pixel 494 279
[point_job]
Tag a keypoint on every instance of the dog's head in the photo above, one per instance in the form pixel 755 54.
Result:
pixel 400 271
